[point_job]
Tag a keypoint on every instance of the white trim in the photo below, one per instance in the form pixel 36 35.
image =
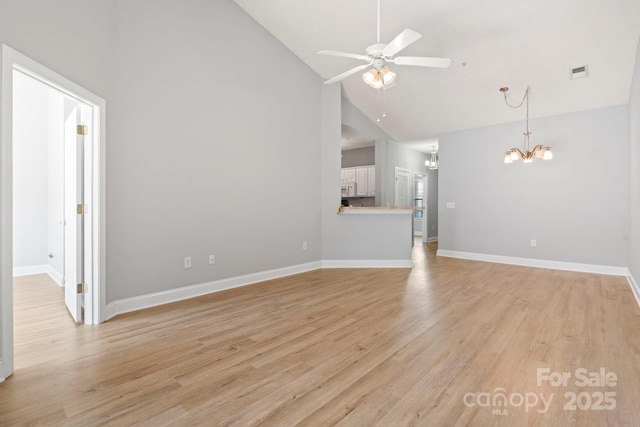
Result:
pixel 6 215
pixel 29 270
pixel 432 239
pixel 634 286
pixel 55 275
pixel 376 211
pixel 159 298
pixel 368 263
pixel 38 269
pixel 539 263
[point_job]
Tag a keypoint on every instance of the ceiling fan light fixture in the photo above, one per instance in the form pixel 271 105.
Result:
pixel 377 79
pixel 370 76
pixel 388 76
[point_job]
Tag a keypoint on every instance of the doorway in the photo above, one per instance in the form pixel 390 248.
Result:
pixel 49 186
pixel 87 288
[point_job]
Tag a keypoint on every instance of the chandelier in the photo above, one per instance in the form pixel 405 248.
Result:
pixel 432 162
pixel 527 155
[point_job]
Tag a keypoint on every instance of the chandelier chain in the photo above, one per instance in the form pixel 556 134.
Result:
pixel 525 97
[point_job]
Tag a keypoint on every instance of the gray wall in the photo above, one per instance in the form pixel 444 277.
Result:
pixel 202 157
pixel 634 177
pixel 365 156
pixel 208 152
pixel 576 205
pixel 353 117
pixel 353 237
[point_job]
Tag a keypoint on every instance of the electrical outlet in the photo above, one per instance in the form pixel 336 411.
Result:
pixel 212 259
pixel 305 246
pixel 533 243
pixel 187 262
pixel 451 205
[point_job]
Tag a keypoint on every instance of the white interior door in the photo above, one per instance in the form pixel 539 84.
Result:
pixel 425 216
pixel 403 187
pixel 73 207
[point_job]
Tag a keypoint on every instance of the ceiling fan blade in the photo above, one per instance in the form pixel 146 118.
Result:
pixel 422 61
pixel 347 73
pixel 401 41
pixel 344 54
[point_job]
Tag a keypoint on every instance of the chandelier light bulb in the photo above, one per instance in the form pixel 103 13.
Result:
pixel 547 154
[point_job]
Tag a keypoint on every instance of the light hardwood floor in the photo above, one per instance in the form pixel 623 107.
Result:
pixel 349 347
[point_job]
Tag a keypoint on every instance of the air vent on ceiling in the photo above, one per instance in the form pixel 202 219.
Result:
pixel 579 72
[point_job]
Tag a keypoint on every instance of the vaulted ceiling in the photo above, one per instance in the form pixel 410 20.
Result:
pixel 492 43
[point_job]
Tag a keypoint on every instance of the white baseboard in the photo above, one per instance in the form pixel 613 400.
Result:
pixel 29 270
pixel 368 263
pixel 55 275
pixel 432 239
pixel 179 294
pixel 634 286
pixel 539 263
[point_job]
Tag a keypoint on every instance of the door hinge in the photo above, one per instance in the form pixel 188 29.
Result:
pixel 82 130
pixel 80 288
pixel 80 209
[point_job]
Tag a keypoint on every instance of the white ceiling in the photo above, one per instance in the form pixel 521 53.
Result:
pixel 492 43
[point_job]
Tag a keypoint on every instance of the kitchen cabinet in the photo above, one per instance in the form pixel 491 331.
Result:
pixel 348 175
pixel 362 181
pixel 363 176
pixel 371 180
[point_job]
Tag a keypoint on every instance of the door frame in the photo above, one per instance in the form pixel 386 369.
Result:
pixel 95 295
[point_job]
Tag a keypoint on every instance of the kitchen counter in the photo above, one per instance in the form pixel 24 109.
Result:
pixel 376 210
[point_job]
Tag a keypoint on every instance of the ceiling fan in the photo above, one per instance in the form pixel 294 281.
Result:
pixel 379 55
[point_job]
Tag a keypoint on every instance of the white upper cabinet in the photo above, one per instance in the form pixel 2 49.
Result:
pixel 371 177
pixel 362 181
pixel 348 174
pixel 363 176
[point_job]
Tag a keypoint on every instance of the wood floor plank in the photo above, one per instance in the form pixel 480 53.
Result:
pixel 348 347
